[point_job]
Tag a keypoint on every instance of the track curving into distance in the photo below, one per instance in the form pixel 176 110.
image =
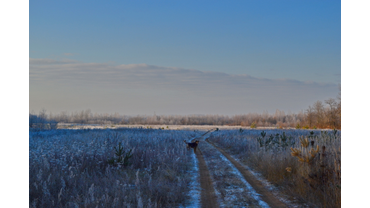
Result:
pixel 208 196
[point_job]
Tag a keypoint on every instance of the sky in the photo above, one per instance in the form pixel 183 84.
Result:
pixel 183 57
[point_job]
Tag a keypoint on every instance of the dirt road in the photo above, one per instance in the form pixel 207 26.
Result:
pixel 265 194
pixel 208 196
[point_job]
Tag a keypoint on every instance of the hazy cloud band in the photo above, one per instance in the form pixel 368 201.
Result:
pixel 260 94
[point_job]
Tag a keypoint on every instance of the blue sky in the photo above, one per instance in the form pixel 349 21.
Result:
pixel 280 41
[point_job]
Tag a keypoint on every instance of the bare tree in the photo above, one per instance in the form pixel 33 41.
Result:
pixel 332 112
pixel 339 110
pixel 319 110
pixel 310 116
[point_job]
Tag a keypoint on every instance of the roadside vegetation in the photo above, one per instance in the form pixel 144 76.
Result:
pixel 305 165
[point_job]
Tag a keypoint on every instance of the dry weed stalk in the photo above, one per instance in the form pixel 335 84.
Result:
pixel 314 173
pixel 305 156
pixel 304 141
pixel 295 152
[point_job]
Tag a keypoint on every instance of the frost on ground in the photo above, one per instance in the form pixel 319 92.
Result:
pixel 269 186
pixel 252 192
pixel 230 187
pixel 269 160
pixel 194 186
pixel 69 168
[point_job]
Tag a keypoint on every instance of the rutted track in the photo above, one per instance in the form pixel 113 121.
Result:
pixel 266 195
pixel 208 197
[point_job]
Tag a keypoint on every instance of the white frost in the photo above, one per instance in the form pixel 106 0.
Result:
pixel 195 185
pixel 252 192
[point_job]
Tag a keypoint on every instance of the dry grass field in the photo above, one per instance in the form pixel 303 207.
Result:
pixel 74 168
pixel 147 167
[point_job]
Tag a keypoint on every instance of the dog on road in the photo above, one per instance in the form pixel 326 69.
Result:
pixel 193 145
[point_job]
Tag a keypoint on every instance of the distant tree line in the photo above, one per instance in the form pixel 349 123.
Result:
pixel 42 121
pixel 325 114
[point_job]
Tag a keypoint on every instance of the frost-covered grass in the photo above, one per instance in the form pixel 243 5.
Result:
pixel 195 190
pixel 69 168
pixel 316 181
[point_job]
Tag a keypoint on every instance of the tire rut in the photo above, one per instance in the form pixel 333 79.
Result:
pixel 265 194
pixel 208 197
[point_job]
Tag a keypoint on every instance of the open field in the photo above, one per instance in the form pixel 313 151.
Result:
pixel 70 168
pixel 95 167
